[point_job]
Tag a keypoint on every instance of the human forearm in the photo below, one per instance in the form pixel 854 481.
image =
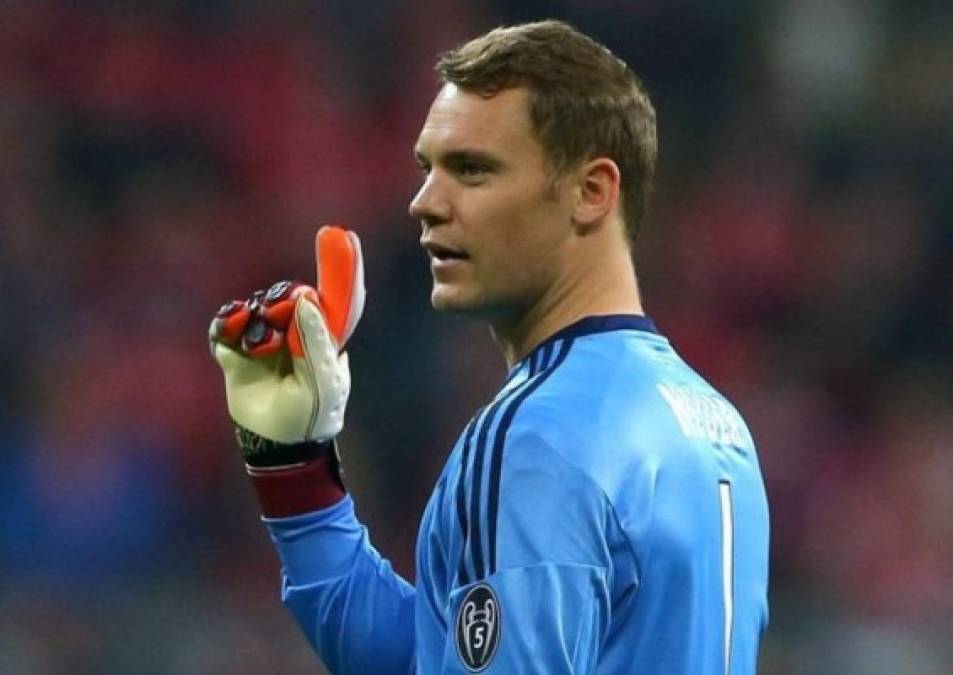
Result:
pixel 353 608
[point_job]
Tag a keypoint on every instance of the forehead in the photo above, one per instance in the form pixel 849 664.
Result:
pixel 462 119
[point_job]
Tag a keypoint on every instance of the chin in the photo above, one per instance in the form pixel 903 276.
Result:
pixel 448 299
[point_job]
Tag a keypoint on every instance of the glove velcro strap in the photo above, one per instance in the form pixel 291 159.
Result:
pixel 291 478
pixel 292 491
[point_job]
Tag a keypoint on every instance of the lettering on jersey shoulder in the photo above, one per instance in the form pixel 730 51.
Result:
pixel 477 631
pixel 705 416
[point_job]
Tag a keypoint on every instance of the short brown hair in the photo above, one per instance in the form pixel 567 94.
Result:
pixel 584 101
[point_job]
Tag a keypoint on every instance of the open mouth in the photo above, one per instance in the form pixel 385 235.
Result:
pixel 441 253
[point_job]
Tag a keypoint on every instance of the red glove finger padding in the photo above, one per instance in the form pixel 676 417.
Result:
pixel 229 322
pixel 259 324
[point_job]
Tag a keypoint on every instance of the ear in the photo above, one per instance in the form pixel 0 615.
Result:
pixel 598 193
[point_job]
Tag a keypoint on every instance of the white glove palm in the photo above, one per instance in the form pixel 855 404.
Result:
pixel 286 379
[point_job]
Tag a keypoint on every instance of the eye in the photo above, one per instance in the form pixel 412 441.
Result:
pixel 471 169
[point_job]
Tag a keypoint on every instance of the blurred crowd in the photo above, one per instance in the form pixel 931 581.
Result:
pixel 159 158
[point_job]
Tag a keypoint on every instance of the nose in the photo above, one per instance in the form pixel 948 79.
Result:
pixel 431 204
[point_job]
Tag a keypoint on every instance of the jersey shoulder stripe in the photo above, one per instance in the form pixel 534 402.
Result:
pixel 471 472
pixel 461 496
pixel 479 439
pixel 476 533
pixel 470 480
pixel 550 359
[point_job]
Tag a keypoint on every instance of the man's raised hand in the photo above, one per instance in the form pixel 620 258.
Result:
pixel 286 376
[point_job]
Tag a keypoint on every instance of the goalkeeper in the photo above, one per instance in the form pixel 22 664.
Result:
pixel 604 512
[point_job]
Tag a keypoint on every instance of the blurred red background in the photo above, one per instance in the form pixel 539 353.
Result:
pixel 159 158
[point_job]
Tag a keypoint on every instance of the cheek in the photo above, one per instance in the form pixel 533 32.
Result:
pixel 505 239
pixel 520 241
pixel 537 230
pixel 517 217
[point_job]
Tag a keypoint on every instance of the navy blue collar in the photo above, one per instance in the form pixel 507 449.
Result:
pixel 594 324
pixel 603 324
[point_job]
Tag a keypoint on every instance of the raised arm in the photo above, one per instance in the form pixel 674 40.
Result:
pixel 287 382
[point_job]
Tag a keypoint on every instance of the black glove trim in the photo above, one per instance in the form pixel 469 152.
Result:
pixel 261 452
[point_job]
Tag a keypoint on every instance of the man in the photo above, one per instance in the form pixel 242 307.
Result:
pixel 604 512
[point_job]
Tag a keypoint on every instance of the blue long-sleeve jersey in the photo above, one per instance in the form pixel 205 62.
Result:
pixel 604 513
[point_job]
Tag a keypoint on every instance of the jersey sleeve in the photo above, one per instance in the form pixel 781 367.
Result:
pixel 354 609
pixel 542 605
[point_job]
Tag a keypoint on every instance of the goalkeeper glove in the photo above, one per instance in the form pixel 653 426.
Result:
pixel 286 377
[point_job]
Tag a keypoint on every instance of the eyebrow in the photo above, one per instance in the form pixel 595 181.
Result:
pixel 461 155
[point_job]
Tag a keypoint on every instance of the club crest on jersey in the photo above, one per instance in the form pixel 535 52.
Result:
pixel 478 627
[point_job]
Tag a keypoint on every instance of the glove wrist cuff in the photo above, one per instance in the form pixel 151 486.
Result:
pixel 291 478
pixel 293 490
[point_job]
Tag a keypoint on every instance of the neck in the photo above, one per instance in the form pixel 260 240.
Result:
pixel 606 287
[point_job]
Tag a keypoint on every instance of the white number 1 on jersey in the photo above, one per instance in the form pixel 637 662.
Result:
pixel 727 564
